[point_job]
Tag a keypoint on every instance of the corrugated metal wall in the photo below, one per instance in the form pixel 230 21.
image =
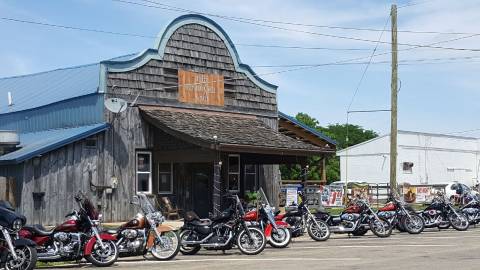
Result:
pixel 74 112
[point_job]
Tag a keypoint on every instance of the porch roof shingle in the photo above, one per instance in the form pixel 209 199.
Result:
pixel 234 132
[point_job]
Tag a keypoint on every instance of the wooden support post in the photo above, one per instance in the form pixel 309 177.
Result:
pixel 394 90
pixel 217 193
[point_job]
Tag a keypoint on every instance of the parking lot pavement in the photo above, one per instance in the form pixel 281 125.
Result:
pixel 433 249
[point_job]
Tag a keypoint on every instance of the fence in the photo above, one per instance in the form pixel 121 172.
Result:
pixel 331 195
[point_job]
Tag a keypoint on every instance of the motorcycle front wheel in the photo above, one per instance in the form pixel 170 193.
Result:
pixel 381 227
pixel 167 248
pixel 102 257
pixel 413 225
pixel 280 238
pixel 187 250
pixel 254 245
pixel 459 221
pixel 26 259
pixel 320 232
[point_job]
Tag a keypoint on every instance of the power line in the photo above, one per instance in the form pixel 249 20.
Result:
pixel 250 45
pixel 255 22
pixel 376 62
pixel 173 8
pixel 368 65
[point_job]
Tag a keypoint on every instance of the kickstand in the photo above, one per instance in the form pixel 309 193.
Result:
pixel 224 252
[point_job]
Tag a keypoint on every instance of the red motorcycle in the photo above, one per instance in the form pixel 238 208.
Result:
pixel 276 231
pixel 76 238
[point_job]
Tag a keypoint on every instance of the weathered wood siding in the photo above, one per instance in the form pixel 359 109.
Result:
pixel 192 47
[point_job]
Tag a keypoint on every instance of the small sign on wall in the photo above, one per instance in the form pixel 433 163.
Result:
pixel 200 88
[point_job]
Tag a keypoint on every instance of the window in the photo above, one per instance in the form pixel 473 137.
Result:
pixel 91 143
pixel 165 178
pixel 407 167
pixel 233 184
pixel 144 172
pixel 250 178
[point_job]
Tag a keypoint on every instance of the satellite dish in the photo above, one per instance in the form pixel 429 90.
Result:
pixel 115 105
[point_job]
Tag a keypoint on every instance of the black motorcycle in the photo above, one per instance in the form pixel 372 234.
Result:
pixel 15 253
pixel 222 232
pixel 301 219
pixel 402 216
pixel 357 219
pixel 441 213
pixel 472 208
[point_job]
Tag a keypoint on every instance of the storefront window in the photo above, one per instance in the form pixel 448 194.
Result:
pixel 233 184
pixel 165 178
pixel 144 172
pixel 250 178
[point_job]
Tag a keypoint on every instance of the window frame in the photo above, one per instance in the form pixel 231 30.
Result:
pixel 171 179
pixel 234 173
pixel 137 172
pixel 410 171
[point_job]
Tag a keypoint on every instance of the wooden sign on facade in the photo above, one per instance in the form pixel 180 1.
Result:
pixel 200 88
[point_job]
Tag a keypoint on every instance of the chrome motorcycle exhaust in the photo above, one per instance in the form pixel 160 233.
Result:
pixel 217 245
pixel 198 242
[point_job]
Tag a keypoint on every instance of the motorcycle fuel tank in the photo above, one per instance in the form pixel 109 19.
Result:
pixel 350 217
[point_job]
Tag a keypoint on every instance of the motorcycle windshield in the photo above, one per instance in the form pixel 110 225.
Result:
pixel 146 205
pixel 263 200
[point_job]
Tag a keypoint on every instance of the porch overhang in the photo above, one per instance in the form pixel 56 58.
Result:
pixel 228 132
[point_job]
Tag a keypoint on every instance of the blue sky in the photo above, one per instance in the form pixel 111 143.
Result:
pixel 440 97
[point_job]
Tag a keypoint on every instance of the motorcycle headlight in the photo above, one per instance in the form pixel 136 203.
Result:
pixel 17 225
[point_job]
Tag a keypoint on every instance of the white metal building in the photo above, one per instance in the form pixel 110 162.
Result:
pixel 423 158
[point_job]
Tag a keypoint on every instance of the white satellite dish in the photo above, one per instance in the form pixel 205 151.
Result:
pixel 115 105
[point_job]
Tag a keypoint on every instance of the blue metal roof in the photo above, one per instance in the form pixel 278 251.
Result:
pixel 39 89
pixel 37 143
pixel 311 130
pixel 44 88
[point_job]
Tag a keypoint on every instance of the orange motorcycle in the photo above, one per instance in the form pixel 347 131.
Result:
pixel 146 233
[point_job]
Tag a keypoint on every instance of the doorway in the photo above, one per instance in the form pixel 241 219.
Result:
pixel 202 174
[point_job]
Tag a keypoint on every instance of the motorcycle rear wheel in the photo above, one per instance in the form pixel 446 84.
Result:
pixel 251 246
pixel 280 238
pixel 187 250
pixel 316 233
pixel 103 257
pixel 168 249
pixel 460 222
pixel 27 259
pixel 360 232
pixel 413 225
pixel 386 227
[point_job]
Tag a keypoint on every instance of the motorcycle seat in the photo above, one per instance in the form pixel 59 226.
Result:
pixel 38 230
pixel 202 222
pixel 292 213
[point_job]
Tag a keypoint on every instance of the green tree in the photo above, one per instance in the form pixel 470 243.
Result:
pixel 338 132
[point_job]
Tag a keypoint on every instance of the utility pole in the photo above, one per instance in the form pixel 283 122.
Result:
pixel 393 113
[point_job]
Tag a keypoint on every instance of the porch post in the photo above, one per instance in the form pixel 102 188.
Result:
pixel 217 168
pixel 324 171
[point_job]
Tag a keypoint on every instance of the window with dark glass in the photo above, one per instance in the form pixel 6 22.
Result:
pixel 144 172
pixel 165 178
pixel 233 183
pixel 250 177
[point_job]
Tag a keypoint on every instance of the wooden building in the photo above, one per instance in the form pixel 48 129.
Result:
pixel 198 123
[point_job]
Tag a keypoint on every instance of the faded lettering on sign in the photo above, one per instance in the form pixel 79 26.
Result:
pixel 200 88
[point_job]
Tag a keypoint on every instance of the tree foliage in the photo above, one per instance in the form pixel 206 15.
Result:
pixel 338 132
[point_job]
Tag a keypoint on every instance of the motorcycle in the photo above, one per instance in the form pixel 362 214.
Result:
pixel 276 231
pixel 357 219
pixel 472 209
pixel 15 253
pixel 221 232
pixel 301 219
pixel 145 233
pixel 76 238
pixel 440 213
pixel 401 216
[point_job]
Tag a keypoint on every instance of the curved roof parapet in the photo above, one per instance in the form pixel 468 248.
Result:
pixel 161 42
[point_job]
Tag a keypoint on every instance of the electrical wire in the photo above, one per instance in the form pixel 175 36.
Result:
pixel 367 66
pixel 254 22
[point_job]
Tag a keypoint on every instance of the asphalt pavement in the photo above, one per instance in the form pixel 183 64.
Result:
pixel 433 249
